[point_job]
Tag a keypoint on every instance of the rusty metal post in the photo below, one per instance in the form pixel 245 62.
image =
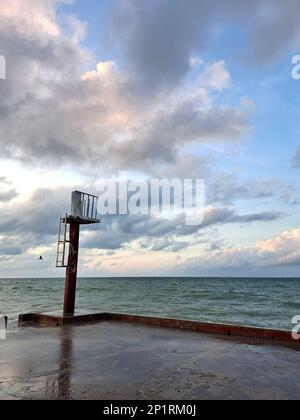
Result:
pixel 71 275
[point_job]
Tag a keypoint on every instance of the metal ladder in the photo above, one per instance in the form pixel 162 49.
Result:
pixel 62 241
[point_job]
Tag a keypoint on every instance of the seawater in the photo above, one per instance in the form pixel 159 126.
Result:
pixel 263 302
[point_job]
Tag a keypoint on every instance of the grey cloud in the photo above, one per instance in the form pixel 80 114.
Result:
pixel 105 239
pixel 226 188
pixel 158 234
pixel 160 36
pixel 82 134
pixel 38 66
pixel 162 137
pixel 216 216
pixel 34 222
pixel 266 216
pixel 277 29
pixel 9 251
pixel 228 215
pixel 288 261
pixel 154 234
pixel 41 214
pixel 7 193
pixel 169 246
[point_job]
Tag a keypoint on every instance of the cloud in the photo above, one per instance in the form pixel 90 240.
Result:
pixel 104 115
pixel 98 115
pixel 282 250
pixel 166 244
pixel 215 76
pixel 281 243
pixel 158 233
pixel 162 137
pixel 39 60
pixel 276 29
pixel 215 215
pixel 292 260
pixel 296 159
pixel 108 239
pixel 34 221
pixel 30 228
pixel 7 193
pixel 265 257
pixel 160 37
pixel 266 216
pixel 10 251
pixel 226 188
pixel 148 109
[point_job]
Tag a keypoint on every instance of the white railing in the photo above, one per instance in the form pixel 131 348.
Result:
pixel 84 205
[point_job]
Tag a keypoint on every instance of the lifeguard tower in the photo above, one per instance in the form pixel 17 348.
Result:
pixel 83 212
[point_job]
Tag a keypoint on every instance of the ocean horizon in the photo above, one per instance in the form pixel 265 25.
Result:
pixel 254 301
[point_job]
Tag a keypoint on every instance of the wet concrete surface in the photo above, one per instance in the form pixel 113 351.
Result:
pixel 122 361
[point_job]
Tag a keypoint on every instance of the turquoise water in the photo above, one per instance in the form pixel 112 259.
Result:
pixel 258 302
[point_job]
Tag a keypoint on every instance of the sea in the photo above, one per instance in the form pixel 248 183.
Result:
pixel 259 302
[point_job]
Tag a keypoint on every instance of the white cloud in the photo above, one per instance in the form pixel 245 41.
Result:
pixel 105 70
pixel 195 61
pixel 262 258
pixel 284 243
pixel 30 17
pixel 215 76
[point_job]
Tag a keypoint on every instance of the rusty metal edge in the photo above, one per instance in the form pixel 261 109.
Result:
pixel 227 330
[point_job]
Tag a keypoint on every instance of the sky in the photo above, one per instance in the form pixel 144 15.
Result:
pixel 160 89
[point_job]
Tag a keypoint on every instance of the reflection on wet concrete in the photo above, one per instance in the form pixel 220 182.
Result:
pixel 65 366
pixel 122 361
pixel 60 386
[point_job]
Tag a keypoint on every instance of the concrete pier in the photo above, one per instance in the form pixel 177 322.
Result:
pixel 111 360
pixel 278 337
